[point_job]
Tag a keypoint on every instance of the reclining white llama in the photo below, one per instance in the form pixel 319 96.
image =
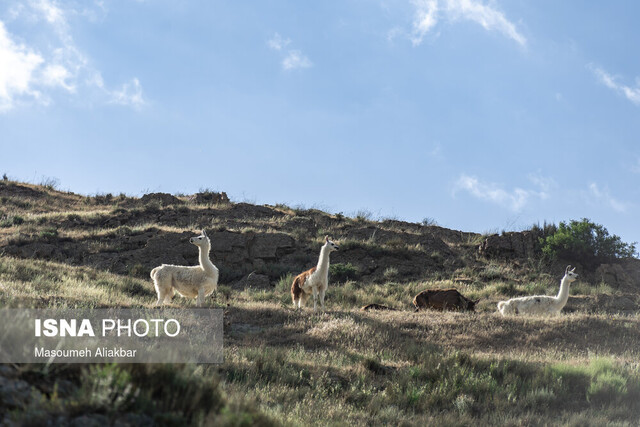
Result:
pixel 196 281
pixel 540 304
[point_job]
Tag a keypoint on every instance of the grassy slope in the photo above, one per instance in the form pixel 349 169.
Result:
pixel 346 366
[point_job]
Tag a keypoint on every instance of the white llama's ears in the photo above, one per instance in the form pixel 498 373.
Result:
pixel 204 233
pixel 567 269
pixel 326 238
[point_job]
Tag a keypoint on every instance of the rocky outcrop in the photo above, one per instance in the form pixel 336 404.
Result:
pixel 521 244
pixel 623 275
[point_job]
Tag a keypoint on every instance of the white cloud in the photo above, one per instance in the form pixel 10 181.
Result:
pixel 33 71
pixel 130 94
pixel 428 12
pixel 602 196
pixel 18 65
pixel 295 59
pixel 277 42
pixel 51 12
pixel 424 20
pixel 514 200
pixel 610 81
pixel 292 58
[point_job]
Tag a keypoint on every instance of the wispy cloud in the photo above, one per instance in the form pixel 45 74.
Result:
pixel 424 19
pixel 295 59
pixel 130 94
pixel 428 13
pixel 32 70
pixel 277 42
pixel 515 199
pixel 611 81
pixel 292 58
pixel 602 196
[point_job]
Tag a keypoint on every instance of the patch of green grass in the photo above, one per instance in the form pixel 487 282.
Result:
pixel 283 284
pixel 11 221
pixel 49 234
pixel 390 273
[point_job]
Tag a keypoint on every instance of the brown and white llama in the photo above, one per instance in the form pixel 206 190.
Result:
pixel 314 281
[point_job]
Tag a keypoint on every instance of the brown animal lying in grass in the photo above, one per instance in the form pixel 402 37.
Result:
pixel 443 299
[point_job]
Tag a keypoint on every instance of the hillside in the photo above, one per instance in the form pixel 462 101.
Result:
pixel 62 249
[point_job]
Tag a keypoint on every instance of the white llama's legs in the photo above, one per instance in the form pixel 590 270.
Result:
pixel 322 299
pixel 169 296
pixel 315 298
pixel 162 290
pixel 200 300
pixel 302 300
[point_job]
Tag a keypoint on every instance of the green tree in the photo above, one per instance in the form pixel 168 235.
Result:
pixel 586 240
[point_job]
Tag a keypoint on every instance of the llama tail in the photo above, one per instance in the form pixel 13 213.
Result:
pixel 296 292
pixel 153 273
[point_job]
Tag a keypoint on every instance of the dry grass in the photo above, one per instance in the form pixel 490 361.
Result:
pixel 347 366
pixel 432 367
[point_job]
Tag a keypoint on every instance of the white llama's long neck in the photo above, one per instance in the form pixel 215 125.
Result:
pixel 323 261
pixel 563 295
pixel 205 262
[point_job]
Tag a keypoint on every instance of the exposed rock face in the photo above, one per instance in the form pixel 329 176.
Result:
pixel 510 245
pixel 617 276
pixel 268 245
pixel 234 253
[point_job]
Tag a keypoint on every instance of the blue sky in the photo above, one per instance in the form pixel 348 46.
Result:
pixel 482 115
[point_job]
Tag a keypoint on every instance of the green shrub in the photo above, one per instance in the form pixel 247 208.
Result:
pixel 585 240
pixel 342 272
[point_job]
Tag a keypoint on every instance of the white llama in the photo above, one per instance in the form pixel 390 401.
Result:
pixel 315 280
pixel 540 304
pixel 197 281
